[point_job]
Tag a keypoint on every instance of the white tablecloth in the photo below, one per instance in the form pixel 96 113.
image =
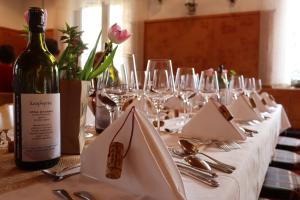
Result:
pixel 244 183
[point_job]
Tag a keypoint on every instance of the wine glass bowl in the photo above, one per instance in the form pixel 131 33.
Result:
pixel 236 85
pixel 186 85
pixel 258 85
pixel 249 86
pixel 208 84
pixel 119 85
pixel 159 83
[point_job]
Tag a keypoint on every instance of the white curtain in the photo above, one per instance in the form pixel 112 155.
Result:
pixel 129 14
pixel 280 42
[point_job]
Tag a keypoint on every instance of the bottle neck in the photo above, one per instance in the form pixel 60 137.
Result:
pixel 37 41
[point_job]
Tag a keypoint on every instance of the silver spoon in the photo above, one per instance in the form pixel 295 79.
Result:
pixel 62 194
pixel 181 155
pixel 190 148
pixel 84 195
pixel 197 162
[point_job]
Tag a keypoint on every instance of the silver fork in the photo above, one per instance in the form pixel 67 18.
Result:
pixel 222 146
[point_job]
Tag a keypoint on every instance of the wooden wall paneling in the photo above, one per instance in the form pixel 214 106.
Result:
pixel 289 98
pixel 206 41
pixel 17 39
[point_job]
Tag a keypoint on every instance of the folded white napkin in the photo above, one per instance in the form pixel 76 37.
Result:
pixel 268 100
pixel 242 110
pixel 174 103
pixel 148 169
pixel 259 103
pixel 210 124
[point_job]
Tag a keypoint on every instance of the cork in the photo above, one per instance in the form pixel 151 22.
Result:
pixel 115 160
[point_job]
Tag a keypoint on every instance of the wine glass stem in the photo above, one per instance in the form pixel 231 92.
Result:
pixel 158 119
pixel 185 110
pixel 111 116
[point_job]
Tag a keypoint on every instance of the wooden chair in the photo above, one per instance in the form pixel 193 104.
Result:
pixel 294 133
pixel 288 143
pixel 286 160
pixel 281 184
pixel 6 98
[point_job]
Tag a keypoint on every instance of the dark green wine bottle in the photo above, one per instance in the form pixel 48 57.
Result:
pixel 36 100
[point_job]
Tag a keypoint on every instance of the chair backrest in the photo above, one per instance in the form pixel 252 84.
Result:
pixel 6 98
pixel 6 116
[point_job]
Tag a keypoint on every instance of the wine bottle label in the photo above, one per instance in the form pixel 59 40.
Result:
pixel 40 118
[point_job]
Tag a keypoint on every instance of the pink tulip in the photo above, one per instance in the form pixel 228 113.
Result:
pixel 209 72
pixel 117 35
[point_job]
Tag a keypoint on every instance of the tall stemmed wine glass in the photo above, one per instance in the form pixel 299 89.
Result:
pixel 208 84
pixel 186 86
pixel 258 85
pixel 236 85
pixel 249 84
pixel 223 87
pixel 131 76
pixel 117 86
pixel 159 84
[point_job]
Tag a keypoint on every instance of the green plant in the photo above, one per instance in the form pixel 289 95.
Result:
pixel 69 61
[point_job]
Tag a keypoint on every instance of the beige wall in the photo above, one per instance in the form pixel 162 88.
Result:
pixel 176 8
pixel 61 11
pixel 11 15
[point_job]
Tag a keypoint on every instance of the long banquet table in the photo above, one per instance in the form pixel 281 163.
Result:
pixel 251 162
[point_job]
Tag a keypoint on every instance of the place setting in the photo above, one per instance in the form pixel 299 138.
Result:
pixel 99 118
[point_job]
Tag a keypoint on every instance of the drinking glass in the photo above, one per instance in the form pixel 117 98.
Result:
pixel 223 87
pixel 131 78
pixel 249 86
pixel 208 84
pixel 159 84
pixel 101 100
pixel 236 85
pixel 258 85
pixel 186 86
pixel 119 85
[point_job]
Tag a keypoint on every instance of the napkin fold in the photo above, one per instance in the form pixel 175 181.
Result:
pixel 259 102
pixel 148 169
pixel 210 124
pixel 268 100
pixel 174 103
pixel 241 110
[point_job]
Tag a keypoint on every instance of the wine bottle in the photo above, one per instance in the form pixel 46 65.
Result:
pixel 36 100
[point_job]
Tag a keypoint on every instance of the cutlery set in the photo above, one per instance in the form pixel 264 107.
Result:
pixel 190 165
pixel 64 173
pixel 64 195
pixel 198 168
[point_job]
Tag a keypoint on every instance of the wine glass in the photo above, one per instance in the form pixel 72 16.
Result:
pixel 186 86
pixel 102 99
pixel 119 85
pixel 208 84
pixel 236 85
pixel 129 65
pixel 249 86
pixel 258 85
pixel 223 87
pixel 159 84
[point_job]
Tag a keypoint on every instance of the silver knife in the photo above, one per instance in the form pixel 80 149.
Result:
pixel 58 176
pixel 62 194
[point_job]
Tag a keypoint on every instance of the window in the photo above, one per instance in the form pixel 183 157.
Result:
pixel 91 24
